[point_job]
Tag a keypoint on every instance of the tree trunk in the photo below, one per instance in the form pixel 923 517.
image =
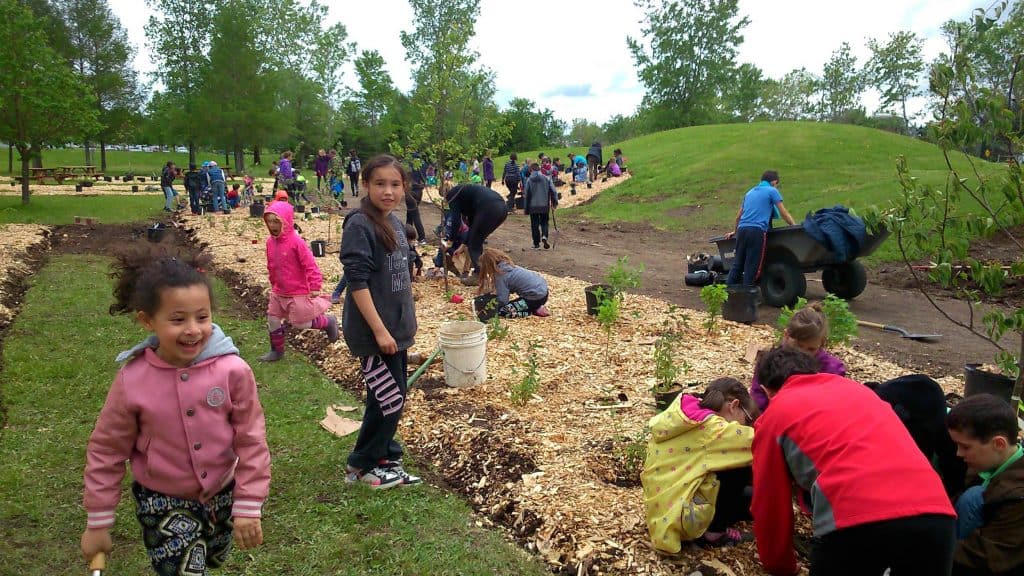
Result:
pixel 103 156
pixel 37 156
pixel 10 157
pixel 256 155
pixel 1018 386
pixel 191 152
pixel 227 159
pixel 239 160
pixel 25 154
pixel 87 148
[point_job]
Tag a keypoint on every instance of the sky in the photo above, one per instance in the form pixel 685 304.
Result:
pixel 576 62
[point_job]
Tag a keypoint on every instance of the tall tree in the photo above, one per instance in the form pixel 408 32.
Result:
pixel 179 38
pixel 377 91
pixel 688 55
pixel 791 98
pixel 42 101
pixel 741 101
pixel 448 91
pixel 895 69
pixel 101 54
pixel 841 84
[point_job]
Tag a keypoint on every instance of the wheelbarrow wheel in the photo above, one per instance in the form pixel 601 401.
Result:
pixel 846 281
pixel 782 283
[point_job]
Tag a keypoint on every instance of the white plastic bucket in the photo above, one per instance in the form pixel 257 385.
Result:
pixel 464 344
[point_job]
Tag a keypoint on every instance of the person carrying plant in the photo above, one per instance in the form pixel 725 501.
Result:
pixel 500 275
pixel 807 331
pixel 185 411
pixel 752 229
pixel 295 282
pixel 877 504
pixel 990 523
pixel 697 476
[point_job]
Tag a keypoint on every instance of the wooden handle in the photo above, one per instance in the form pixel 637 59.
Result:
pixel 871 324
pixel 98 564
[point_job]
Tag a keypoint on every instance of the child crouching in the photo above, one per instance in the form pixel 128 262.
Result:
pixel 697 474
pixel 499 274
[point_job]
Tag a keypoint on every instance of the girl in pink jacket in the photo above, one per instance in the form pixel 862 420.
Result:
pixel 184 410
pixel 295 282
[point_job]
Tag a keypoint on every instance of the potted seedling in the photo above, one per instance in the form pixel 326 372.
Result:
pixel 618 278
pixel 666 371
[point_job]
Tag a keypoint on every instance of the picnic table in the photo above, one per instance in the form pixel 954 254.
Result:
pixel 39 174
pixel 81 171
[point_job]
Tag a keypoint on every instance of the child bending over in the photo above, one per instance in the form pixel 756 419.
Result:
pixel 499 274
pixel 990 523
pixel 295 283
pixel 697 475
pixel 806 331
pixel 184 410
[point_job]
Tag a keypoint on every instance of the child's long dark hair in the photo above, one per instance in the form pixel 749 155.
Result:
pixel 724 390
pixel 144 271
pixel 384 229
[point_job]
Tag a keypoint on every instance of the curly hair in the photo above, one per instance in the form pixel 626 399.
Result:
pixel 143 272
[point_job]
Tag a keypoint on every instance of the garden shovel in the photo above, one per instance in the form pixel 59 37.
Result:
pixel 901 331
pixel 98 564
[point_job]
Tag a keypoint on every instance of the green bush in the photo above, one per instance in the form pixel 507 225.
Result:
pixel 842 324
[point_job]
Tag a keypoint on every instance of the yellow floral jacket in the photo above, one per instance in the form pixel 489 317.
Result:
pixel 688 445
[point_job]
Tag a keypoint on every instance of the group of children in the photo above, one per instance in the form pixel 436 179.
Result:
pixel 184 407
pixel 873 466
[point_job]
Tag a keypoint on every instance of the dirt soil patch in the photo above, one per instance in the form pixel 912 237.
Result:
pixel 552 472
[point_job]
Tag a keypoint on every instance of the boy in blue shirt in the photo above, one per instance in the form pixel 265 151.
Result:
pixel 752 227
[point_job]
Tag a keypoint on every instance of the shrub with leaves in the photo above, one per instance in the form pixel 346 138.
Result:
pixel 621 276
pixel 713 296
pixel 665 368
pixel 524 389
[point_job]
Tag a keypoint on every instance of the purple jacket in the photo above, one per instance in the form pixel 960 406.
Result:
pixel 321 164
pixel 488 170
pixel 829 365
pixel 284 169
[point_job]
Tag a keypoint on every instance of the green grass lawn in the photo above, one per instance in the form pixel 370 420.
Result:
pixel 56 210
pixel 57 366
pixel 118 161
pixel 819 164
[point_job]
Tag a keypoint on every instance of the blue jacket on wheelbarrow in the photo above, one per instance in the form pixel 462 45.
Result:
pixel 838 230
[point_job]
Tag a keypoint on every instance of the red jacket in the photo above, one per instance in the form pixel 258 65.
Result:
pixel 838 440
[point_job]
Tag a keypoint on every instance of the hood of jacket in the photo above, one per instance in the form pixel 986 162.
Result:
pixel 683 415
pixel 286 213
pixel 219 344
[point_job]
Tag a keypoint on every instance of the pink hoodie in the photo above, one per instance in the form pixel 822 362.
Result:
pixel 293 270
pixel 187 432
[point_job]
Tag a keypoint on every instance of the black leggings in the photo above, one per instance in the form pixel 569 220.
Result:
pixel 486 220
pixel 513 187
pixel 538 227
pixel 412 212
pixel 918 545
pixel 386 387
pixel 734 495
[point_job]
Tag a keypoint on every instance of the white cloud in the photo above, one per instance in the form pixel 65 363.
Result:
pixel 540 49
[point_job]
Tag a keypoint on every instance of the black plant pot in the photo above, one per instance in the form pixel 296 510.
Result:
pixel 592 296
pixel 319 248
pixel 662 400
pixel 155 233
pixel 256 210
pixel 977 381
pixel 486 306
pixel 135 188
pixel 300 208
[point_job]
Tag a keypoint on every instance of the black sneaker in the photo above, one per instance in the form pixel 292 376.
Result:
pixel 407 479
pixel 377 478
pixel 544 241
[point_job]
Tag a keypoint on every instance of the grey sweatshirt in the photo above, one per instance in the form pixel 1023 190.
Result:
pixel 367 265
pixel 526 283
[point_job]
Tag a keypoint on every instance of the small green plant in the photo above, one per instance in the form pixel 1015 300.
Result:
pixel 713 296
pixel 608 308
pixel 842 324
pixel 665 368
pixel 496 329
pixel 621 276
pixel 527 386
pixel 632 453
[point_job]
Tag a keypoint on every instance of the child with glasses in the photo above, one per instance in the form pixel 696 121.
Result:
pixel 697 475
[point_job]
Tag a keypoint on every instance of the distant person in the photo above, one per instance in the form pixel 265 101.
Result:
pixel 595 160
pixel 752 229
pixel 218 182
pixel 500 275
pixel 488 170
pixel 353 167
pixel 511 178
pixel 234 195
pixel 167 176
pixel 194 186
pixel 285 171
pixel 540 199
pixel 321 165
